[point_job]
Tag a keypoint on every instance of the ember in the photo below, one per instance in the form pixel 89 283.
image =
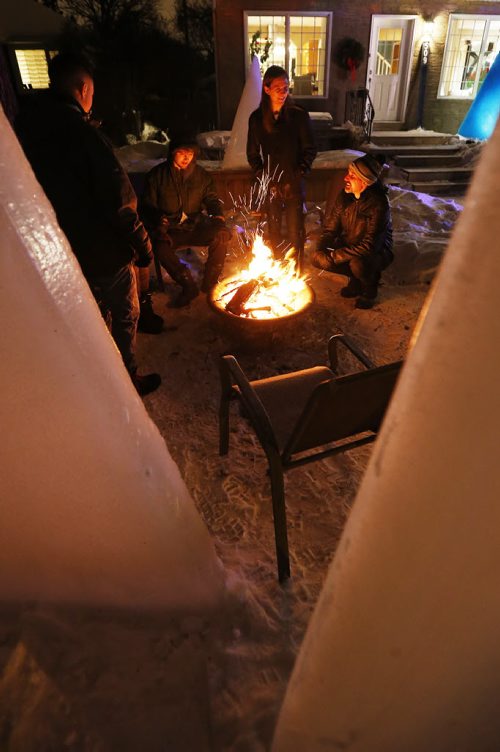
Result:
pixel 267 289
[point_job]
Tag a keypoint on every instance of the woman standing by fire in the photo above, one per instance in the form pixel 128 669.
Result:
pixel 281 143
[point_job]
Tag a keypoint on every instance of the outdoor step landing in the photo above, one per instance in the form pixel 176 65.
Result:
pixel 396 149
pixel 440 188
pixel 438 173
pixel 413 138
pixel 448 159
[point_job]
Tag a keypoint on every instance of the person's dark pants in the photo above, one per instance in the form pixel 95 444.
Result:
pixel 363 272
pixel 293 210
pixel 116 296
pixel 204 233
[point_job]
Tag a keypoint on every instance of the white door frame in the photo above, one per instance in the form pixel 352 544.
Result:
pixel 406 60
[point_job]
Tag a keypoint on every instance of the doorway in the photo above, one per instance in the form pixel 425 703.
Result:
pixel 391 44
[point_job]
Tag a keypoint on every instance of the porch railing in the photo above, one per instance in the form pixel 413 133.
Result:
pixel 359 110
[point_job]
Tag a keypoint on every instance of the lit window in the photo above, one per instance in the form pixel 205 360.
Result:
pixel 299 43
pixel 472 44
pixel 33 68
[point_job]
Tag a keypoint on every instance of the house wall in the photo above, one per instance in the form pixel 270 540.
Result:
pixel 351 18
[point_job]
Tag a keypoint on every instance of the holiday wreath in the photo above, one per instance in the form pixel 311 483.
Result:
pixel 348 55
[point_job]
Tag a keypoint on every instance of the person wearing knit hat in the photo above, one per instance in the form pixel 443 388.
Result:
pixel 180 207
pixel 357 233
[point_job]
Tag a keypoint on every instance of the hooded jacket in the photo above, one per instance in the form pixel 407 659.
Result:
pixel 92 196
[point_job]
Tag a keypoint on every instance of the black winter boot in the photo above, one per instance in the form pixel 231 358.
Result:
pixel 189 290
pixel 146 383
pixel 149 321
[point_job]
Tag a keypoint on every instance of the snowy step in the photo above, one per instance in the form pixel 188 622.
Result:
pixel 397 149
pixel 445 159
pixel 440 187
pixel 460 174
pixel 406 138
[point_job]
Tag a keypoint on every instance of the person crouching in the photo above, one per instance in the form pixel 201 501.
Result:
pixel 357 233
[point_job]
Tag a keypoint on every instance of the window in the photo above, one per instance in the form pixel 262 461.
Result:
pixel 300 43
pixel 471 47
pixel 32 66
pixel 388 51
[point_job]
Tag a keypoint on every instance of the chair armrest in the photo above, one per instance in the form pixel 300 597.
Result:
pixel 347 342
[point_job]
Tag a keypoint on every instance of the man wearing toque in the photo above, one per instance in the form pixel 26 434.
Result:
pixel 357 233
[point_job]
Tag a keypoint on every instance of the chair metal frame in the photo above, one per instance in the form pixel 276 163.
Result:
pixel 335 414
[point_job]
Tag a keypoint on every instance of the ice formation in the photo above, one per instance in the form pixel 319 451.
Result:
pixel 402 650
pixel 94 510
pixel 235 156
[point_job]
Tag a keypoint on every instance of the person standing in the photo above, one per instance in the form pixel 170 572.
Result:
pixel 357 234
pixel 93 199
pixel 180 206
pixel 281 143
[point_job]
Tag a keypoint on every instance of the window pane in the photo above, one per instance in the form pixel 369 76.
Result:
pixel 461 60
pixel 308 42
pixel 266 39
pixel 388 51
pixel 33 68
pixel 491 49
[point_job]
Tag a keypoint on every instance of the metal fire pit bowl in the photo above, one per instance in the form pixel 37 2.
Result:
pixel 256 332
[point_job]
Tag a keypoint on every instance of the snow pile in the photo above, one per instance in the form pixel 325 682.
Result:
pixel 141 156
pixel 422 225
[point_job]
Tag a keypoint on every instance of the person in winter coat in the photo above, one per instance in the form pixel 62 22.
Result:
pixel 93 199
pixel 357 235
pixel 180 206
pixel 281 144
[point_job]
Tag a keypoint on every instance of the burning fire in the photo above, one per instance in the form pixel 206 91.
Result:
pixel 267 289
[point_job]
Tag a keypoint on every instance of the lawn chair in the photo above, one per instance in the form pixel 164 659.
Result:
pixel 305 416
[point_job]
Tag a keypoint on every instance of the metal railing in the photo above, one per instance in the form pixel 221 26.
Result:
pixel 359 110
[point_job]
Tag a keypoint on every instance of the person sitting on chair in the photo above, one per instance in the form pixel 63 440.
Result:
pixel 180 207
pixel 357 234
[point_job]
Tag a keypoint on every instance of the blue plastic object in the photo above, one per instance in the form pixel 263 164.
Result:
pixel 483 114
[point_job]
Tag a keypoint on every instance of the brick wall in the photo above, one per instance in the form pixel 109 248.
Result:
pixel 351 18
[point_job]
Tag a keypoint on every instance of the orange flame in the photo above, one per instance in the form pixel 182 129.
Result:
pixel 280 292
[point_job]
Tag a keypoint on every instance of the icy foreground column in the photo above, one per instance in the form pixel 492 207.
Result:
pixel 93 509
pixel 235 156
pixel 402 652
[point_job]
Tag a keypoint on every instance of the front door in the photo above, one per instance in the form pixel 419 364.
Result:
pixel 391 44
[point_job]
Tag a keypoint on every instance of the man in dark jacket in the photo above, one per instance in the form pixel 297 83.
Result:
pixel 94 201
pixel 357 236
pixel 180 207
pixel 281 144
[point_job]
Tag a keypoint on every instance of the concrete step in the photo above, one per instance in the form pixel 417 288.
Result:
pixel 397 149
pixel 410 138
pixel 459 174
pixel 381 125
pixel 446 159
pixel 440 187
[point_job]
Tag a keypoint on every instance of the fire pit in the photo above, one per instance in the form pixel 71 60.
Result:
pixel 262 299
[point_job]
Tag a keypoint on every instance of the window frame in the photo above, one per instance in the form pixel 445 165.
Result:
pixel 486 18
pixel 14 65
pixel 287 14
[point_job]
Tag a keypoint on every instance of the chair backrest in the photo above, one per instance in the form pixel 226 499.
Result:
pixel 232 373
pixel 344 407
